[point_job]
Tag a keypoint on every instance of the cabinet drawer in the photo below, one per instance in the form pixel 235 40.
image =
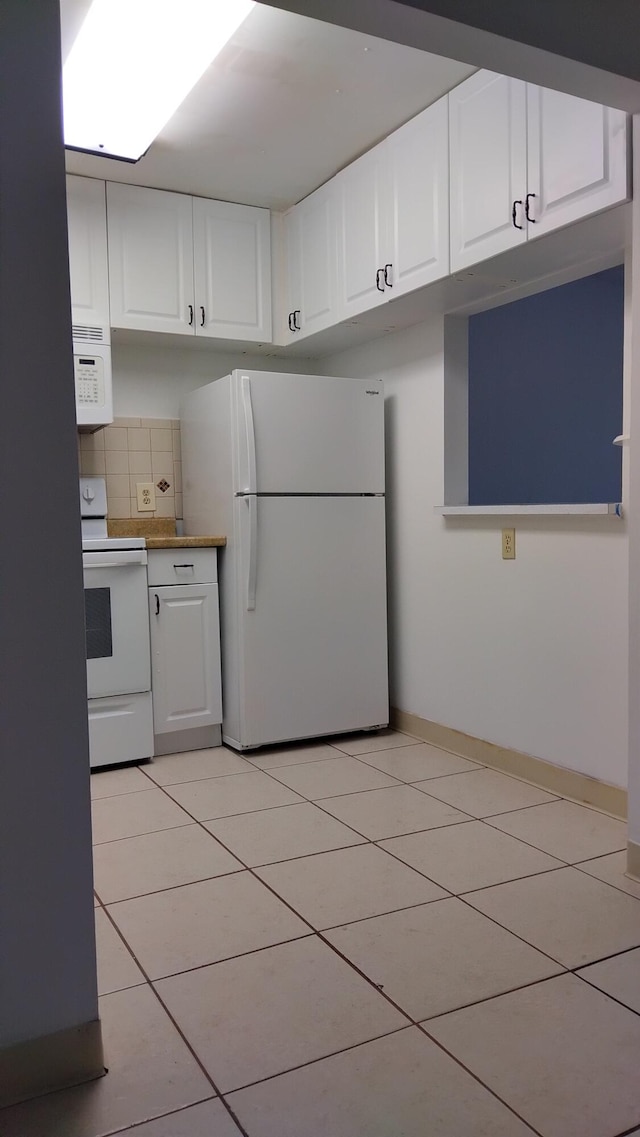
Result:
pixel 182 566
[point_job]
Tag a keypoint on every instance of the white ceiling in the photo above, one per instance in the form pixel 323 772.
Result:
pixel 287 103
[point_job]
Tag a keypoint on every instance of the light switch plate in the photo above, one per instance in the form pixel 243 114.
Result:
pixel 146 495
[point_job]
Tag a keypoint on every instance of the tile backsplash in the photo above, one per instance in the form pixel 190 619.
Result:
pixel 135 450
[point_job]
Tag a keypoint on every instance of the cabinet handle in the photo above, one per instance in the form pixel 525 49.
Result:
pixel 183 566
pixel 157 605
pixel 379 273
pixel 513 214
pixel 201 316
pixel 387 270
pixel 296 326
pixel 526 208
pixel 291 328
pixel 191 315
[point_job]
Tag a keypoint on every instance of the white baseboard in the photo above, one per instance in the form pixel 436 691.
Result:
pixel 554 779
pixel 175 741
pixel 633 860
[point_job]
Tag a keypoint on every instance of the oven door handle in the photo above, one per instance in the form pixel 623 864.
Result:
pixel 124 559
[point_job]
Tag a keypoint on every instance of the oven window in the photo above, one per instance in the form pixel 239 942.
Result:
pixel 97 606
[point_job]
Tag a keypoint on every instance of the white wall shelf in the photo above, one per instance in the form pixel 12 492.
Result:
pixel 610 508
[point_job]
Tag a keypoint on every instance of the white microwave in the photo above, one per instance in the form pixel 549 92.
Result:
pixel 93 383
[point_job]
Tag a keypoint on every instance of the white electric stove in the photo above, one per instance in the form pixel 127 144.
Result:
pixel 117 630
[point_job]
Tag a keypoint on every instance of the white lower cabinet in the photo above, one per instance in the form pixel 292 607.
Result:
pixel 185 652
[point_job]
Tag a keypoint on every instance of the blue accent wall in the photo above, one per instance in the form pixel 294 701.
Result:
pixel 545 396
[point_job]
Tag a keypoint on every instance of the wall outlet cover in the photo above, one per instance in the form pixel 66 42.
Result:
pixel 508 544
pixel 146 495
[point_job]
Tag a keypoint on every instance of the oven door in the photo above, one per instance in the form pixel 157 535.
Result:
pixel 117 622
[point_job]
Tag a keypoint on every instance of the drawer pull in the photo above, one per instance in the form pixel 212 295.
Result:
pixel 184 566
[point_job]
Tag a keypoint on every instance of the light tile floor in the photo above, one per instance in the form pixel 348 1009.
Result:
pixel 365 938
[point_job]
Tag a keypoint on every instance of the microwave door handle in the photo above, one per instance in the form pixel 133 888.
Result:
pixel 252 506
pixel 250 433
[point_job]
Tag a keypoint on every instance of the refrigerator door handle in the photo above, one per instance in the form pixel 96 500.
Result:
pixel 250 434
pixel 252 506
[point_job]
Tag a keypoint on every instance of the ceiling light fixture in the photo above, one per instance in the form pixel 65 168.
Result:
pixel 133 63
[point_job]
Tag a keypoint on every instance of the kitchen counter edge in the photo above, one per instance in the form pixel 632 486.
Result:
pixel 185 542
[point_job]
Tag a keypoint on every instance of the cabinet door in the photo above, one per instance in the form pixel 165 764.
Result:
pixel 232 258
pixel 577 158
pixel 150 259
pixel 362 189
pixel 87 220
pixel 293 284
pixel 488 166
pixel 185 656
pixel 418 161
pixel 311 241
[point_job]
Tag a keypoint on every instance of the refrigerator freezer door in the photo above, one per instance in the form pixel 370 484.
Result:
pixel 312 642
pixel 310 434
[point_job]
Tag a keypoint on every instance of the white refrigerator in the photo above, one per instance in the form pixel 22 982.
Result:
pixel 290 468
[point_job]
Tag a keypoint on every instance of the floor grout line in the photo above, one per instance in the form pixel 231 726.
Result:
pixel 478 1079
pixel 320 936
pixel 607 995
pixel 568 864
pixel 173 887
pixel 368 841
pixel 314 1061
pixel 161 1117
pixel 180 1032
pixel 579 865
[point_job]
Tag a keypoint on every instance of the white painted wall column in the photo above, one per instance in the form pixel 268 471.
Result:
pixel 49 1029
pixel 634 517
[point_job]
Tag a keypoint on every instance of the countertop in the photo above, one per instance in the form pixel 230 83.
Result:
pixel 184 542
pixel 159 533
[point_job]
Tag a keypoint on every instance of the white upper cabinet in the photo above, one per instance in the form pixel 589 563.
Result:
pixel 187 265
pixel 310 233
pixel 417 158
pixel 526 160
pixel 150 259
pixel 232 269
pixel 394 214
pixel 87 221
pixel 362 234
pixel 488 156
pixel 577 158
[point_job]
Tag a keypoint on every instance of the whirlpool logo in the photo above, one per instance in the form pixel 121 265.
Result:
pixel 370 392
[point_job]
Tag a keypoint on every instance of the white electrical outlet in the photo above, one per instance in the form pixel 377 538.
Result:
pixel 146 494
pixel 508 544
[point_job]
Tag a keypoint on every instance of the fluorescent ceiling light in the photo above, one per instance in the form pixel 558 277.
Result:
pixel 133 63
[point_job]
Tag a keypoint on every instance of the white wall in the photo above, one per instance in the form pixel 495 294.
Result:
pixel 530 654
pixel 150 381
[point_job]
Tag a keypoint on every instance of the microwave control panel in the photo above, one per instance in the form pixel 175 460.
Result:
pixel 89 380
